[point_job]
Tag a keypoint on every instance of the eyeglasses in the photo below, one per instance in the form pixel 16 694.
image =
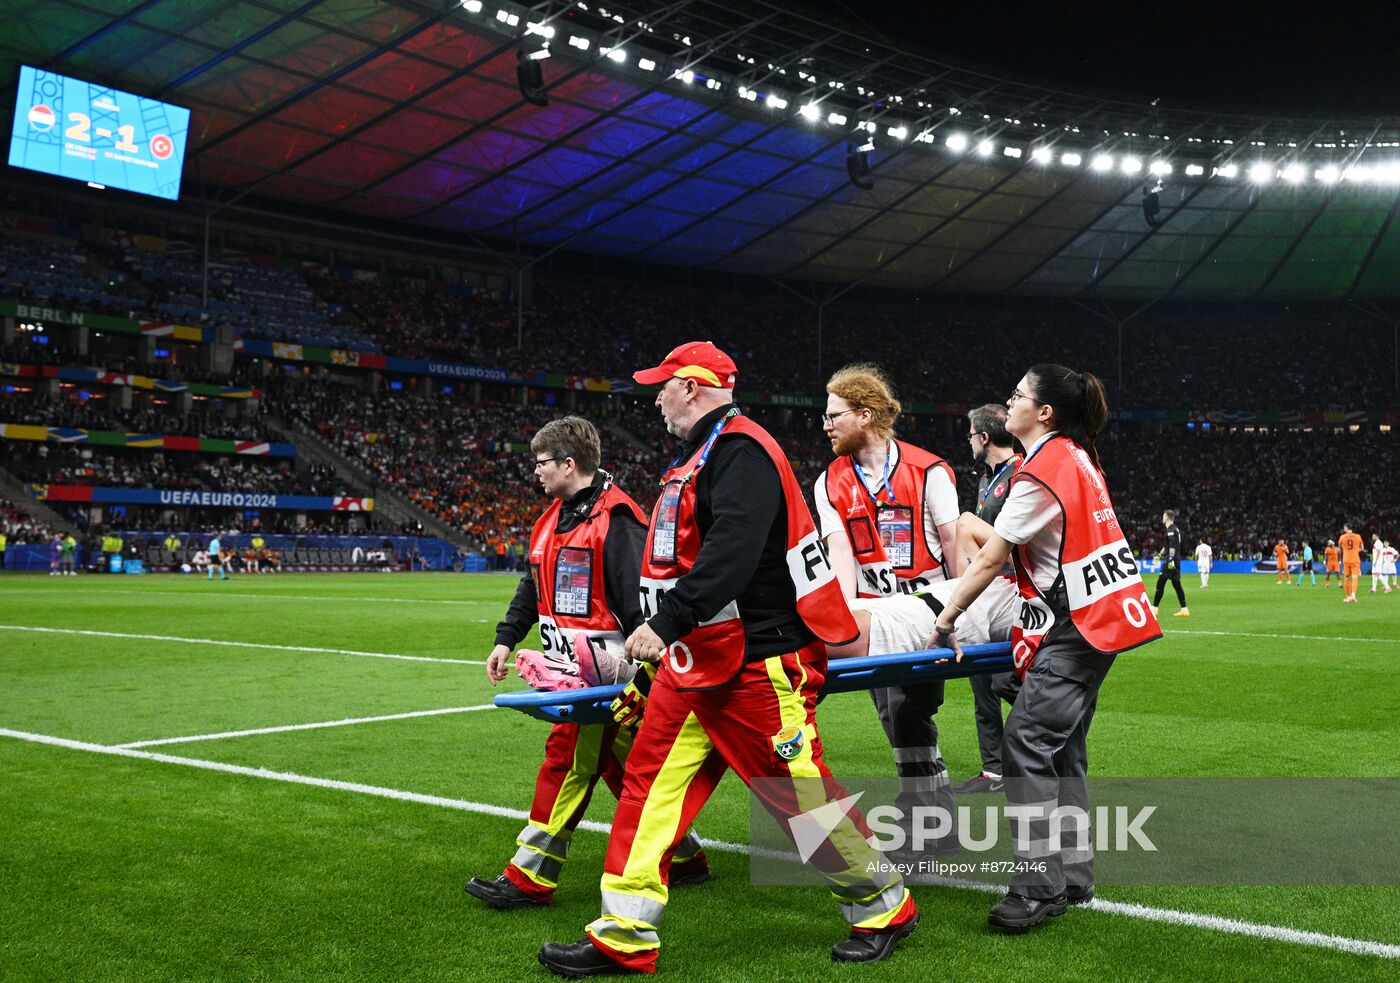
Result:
pixel 975 434
pixel 541 462
pixel 831 418
pixel 1017 394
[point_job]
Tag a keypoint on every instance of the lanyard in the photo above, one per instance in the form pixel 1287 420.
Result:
pixel 884 482
pixel 709 445
pixel 982 498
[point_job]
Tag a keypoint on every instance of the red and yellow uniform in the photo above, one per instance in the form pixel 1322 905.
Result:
pixel 1351 545
pixel 571 596
pixel 716 705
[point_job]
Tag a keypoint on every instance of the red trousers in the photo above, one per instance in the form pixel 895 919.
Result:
pixel 686 742
pixel 575 757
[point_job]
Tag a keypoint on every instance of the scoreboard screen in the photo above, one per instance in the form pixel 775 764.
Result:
pixel 100 135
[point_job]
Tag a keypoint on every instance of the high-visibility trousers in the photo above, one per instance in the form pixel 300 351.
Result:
pixel 575 757
pixel 686 742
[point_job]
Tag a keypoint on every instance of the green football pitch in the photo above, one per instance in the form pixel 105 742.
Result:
pixel 291 777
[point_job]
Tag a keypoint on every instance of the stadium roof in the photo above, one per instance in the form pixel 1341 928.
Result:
pixel 731 151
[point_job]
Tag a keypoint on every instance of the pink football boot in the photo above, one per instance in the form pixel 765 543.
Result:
pixel 545 672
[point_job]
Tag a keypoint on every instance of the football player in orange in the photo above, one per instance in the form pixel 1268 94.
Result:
pixel 1351 545
pixel 1333 557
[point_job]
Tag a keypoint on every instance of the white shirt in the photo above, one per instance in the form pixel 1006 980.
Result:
pixel 1031 517
pixel 940 503
pixel 903 623
pixel 1203 553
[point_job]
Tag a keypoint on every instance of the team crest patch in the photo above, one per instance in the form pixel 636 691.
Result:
pixel 998 491
pixel 788 742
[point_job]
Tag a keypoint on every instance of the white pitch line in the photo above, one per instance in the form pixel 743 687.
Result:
pixel 282 597
pixel 240 645
pixel 1260 634
pixel 313 726
pixel 1274 933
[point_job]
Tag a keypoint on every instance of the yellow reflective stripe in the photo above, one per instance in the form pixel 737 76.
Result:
pixel 579 779
pixel 810 791
pixel 660 819
pixel 883 919
pixel 624 934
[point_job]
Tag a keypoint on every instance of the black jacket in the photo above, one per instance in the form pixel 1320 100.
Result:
pixel 742 518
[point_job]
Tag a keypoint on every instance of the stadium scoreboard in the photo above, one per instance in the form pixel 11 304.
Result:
pixel 96 134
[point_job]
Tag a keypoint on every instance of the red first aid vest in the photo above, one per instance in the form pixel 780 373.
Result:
pixel 889 539
pixel 713 652
pixel 568 572
pixel 1097 593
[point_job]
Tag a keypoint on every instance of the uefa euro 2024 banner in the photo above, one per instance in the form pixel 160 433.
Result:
pixel 184 497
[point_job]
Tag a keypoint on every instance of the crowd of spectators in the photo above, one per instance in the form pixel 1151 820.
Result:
pixel 116 467
pixel 150 415
pixel 939 349
pixel 21 528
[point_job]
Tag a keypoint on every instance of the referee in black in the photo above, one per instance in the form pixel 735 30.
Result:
pixel 1171 566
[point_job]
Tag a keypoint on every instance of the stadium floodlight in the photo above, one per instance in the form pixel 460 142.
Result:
pixel 540 55
pixel 985 148
pixel 1194 170
pixel 1328 174
pixel 811 111
pixel 956 142
pixel 646 65
pixel 1131 165
pixel 925 137
pixel 1012 152
pixel 1357 173
pixel 506 17
pixel 1071 159
pixel 472 6
pixel 1159 168
pixel 575 41
pixel 1261 173
pixel 687 76
pixel 618 55
pixel 1041 155
pixel 1228 171
pixel 775 101
pixel 1388 173
pixel 836 119
pixel 1293 173
pixel 539 27
pixel 898 132
pixel 1103 163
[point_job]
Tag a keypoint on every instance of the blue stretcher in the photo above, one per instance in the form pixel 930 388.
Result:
pixel 590 706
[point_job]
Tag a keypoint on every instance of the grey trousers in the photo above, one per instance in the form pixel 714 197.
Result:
pixel 988 692
pixel 1046 759
pixel 906 713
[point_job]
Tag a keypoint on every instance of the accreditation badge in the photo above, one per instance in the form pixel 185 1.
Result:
pixel 573 581
pixel 897 535
pixel 663 537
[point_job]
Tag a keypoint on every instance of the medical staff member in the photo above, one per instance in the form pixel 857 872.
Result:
pixel 585 558
pixel 1083 602
pixel 740 601
pixel 888 511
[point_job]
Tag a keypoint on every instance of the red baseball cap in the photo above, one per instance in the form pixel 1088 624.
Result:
pixel 698 360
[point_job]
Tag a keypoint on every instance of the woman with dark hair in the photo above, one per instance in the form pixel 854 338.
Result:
pixel 1082 602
